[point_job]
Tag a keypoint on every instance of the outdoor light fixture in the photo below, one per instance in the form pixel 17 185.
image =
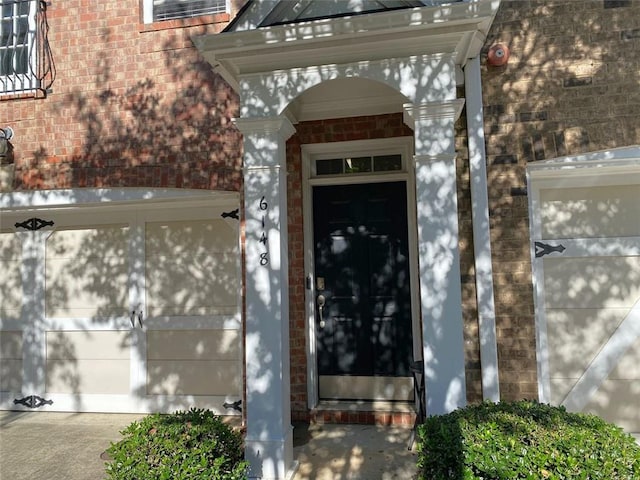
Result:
pixel 6 134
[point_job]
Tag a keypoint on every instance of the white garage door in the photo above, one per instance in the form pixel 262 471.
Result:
pixel 130 309
pixel 586 265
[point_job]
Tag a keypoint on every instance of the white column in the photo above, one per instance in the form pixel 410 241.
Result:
pixel 481 232
pixel 439 258
pixel 268 443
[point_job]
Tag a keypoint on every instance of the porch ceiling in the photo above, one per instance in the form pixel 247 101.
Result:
pixel 459 29
pixel 345 97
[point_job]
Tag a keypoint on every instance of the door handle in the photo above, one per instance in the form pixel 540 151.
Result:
pixel 321 301
pixel 133 316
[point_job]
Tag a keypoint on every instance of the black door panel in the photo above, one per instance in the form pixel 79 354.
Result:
pixel 361 255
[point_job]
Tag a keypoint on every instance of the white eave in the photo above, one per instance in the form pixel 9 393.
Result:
pixel 458 28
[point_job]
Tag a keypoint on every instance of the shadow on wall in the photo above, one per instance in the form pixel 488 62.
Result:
pixel 170 130
pixel 135 136
pixel 568 88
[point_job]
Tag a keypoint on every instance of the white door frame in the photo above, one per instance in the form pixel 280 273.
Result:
pixel 312 152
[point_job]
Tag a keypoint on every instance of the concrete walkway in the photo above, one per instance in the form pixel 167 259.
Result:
pixel 353 452
pixel 67 446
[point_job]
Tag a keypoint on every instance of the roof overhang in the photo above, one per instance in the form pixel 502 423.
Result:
pixel 459 29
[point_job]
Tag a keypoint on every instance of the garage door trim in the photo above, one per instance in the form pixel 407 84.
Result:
pixel 601 168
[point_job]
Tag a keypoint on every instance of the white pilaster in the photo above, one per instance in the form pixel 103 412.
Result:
pixel 268 443
pixel 439 258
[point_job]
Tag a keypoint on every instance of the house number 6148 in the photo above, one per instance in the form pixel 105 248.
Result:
pixel 264 256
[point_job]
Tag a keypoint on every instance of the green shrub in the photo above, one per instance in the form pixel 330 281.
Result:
pixel 184 445
pixel 524 440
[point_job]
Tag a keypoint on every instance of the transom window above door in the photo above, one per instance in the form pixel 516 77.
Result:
pixel 355 165
pixel 383 157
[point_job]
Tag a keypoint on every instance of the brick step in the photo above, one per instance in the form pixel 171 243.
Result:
pixel 402 414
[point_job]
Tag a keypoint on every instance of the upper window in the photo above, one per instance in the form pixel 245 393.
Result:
pixel 18 46
pixel 160 10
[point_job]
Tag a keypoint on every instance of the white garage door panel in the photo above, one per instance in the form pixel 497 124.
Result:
pixel 93 344
pixel 11 278
pixel 575 336
pixel 88 376
pixel 193 344
pixel 192 268
pixel 193 362
pixel 88 362
pixel 87 272
pixel 591 282
pixel 617 401
pixel 193 377
pixel 10 361
pixel 196 237
pixel 589 212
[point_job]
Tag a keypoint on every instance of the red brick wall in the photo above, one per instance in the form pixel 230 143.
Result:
pixel 133 105
pixel 571 86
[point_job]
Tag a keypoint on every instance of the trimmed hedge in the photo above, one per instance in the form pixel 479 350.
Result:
pixel 524 440
pixel 184 445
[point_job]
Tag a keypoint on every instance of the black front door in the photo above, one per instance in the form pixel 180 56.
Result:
pixel 363 300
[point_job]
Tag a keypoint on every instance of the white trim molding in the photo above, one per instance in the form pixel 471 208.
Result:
pixel 432 111
pixel 481 233
pixel 452 28
pixel 110 197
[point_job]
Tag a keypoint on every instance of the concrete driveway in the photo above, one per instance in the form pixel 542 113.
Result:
pixel 67 446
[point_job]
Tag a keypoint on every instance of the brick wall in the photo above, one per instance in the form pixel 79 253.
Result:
pixel 571 86
pixel 133 105
pixel 473 370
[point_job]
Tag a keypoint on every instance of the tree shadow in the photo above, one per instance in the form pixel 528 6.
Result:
pixel 565 91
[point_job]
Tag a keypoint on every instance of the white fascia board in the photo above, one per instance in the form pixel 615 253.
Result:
pixel 444 27
pixel 110 197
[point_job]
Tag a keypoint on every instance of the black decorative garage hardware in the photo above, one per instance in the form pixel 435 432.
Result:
pixel 34 224
pixel 543 249
pixel 231 214
pixel 235 405
pixel 32 401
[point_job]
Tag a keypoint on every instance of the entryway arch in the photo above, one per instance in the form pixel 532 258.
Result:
pixel 345 97
pixel 419 53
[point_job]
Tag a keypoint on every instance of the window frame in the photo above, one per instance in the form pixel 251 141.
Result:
pixel 17 83
pixel 148 17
